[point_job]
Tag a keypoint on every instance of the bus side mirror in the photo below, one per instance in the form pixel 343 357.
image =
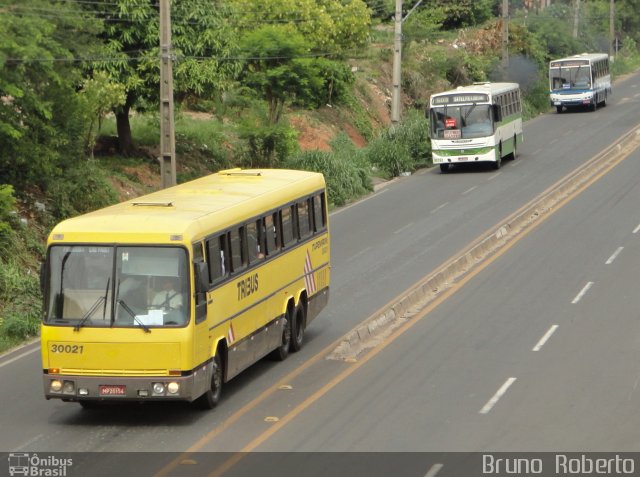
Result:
pixel 202 277
pixel 497 113
pixel 43 270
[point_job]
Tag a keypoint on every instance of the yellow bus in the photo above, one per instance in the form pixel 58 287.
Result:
pixel 168 296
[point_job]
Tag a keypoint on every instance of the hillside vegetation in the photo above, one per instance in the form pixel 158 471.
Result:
pixel 258 83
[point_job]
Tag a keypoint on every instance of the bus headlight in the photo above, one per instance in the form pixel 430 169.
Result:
pixel 173 387
pixel 69 387
pixel 55 386
pixel 158 388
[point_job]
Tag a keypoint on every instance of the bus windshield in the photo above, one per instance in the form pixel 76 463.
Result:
pixel 116 286
pixel 570 77
pixel 461 122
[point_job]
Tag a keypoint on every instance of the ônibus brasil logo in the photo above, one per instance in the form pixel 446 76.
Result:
pixel 23 463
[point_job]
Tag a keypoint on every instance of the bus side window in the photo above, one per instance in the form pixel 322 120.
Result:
pixel 271 234
pixel 288 227
pixel 318 216
pixel 217 257
pixel 255 241
pixel 304 218
pixel 238 253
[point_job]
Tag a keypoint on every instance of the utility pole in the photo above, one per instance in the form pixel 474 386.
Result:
pixel 505 34
pixel 397 58
pixel 612 37
pixel 576 17
pixel 167 121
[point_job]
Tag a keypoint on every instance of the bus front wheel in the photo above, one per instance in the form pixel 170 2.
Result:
pixel 444 168
pixel 211 397
pixel 498 163
pixel 559 109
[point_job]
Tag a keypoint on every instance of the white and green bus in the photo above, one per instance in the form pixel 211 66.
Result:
pixel 477 123
pixel 580 80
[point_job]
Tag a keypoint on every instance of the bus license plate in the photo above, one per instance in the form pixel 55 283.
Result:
pixel 113 390
pixel 463 158
pixel 557 103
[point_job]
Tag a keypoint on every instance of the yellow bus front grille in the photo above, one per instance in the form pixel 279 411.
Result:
pixel 114 372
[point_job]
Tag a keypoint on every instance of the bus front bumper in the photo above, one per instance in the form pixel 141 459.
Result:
pixel 467 156
pixel 119 388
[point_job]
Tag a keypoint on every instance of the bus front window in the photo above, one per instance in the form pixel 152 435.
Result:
pixel 570 77
pixel 461 122
pixel 151 286
pixel 102 286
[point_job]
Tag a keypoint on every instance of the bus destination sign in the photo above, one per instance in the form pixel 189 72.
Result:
pixel 461 98
pixel 568 63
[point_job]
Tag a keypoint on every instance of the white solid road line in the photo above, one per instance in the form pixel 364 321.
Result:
pixel 435 468
pixel 16 358
pixel 584 290
pixel 545 338
pixel 496 397
pixel 637 229
pixel 403 228
pixel 613 257
pixel 439 207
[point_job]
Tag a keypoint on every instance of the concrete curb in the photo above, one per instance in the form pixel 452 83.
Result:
pixel 374 329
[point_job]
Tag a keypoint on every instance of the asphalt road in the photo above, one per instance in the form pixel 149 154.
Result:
pixel 464 376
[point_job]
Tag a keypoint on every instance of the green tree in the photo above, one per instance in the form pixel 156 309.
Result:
pixel 203 43
pixel 99 96
pixel 41 125
pixel 462 13
pixel 277 68
pixel 329 26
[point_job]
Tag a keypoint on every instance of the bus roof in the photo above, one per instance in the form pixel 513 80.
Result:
pixel 188 211
pixel 480 88
pixel 590 57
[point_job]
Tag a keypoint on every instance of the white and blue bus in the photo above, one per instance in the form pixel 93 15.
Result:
pixel 477 123
pixel 580 80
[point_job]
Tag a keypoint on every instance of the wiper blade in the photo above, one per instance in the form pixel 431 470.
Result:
pixel 92 310
pixel 89 313
pixel 133 315
pixel 469 112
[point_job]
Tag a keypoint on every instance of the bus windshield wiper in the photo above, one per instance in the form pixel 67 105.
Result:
pixel 92 310
pixel 469 112
pixel 88 314
pixel 133 315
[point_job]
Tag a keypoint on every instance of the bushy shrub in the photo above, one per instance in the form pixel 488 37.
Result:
pixel 19 290
pixel 403 147
pixel 266 145
pixel 82 188
pixel 345 170
pixel 7 204
pixel 19 326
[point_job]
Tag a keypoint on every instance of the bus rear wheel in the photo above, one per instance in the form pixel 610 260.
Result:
pixel 297 328
pixel 282 351
pixel 211 397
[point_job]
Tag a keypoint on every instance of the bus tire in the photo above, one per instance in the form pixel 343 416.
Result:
pixel 444 168
pixel 282 351
pixel 498 163
pixel 297 328
pixel 211 397
pixel 559 109
pixel 514 154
